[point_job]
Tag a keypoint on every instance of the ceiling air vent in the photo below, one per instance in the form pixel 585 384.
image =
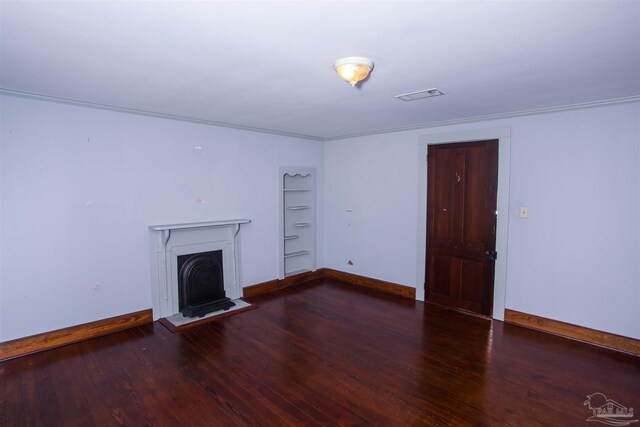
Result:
pixel 412 96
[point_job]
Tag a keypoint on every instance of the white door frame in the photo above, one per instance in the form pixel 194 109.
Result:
pixel 503 135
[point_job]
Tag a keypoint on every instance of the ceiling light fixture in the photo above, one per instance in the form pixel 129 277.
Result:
pixel 353 69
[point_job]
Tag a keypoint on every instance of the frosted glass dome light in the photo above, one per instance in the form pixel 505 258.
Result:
pixel 353 69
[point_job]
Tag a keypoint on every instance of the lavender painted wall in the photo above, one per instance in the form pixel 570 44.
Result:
pixel 81 185
pixel 575 259
pixel 1 210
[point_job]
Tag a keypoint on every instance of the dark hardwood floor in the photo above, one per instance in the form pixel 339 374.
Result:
pixel 319 354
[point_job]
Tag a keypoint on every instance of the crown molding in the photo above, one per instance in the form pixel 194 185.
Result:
pixel 68 101
pixel 592 104
pixel 545 110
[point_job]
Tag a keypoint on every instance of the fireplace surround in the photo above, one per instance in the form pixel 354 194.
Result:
pixel 171 241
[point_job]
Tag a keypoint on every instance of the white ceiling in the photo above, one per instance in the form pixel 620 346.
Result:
pixel 268 65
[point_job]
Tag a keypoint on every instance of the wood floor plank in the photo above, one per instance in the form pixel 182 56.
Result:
pixel 323 353
pixel 294 362
pixel 13 413
pixel 235 387
pixel 40 401
pixel 375 359
pixel 289 373
pixel 327 376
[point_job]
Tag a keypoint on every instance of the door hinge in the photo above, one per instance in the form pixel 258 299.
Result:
pixel 491 255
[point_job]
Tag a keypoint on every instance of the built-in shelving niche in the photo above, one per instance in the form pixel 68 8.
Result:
pixel 297 221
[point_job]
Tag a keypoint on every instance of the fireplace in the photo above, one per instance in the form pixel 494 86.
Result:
pixel 201 284
pixel 172 248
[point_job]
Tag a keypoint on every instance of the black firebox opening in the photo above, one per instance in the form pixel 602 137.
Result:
pixel 201 284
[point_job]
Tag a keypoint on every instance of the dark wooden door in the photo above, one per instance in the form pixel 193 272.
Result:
pixel 461 224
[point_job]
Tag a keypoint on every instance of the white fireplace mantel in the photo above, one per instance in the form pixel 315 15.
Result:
pixel 198 224
pixel 169 241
